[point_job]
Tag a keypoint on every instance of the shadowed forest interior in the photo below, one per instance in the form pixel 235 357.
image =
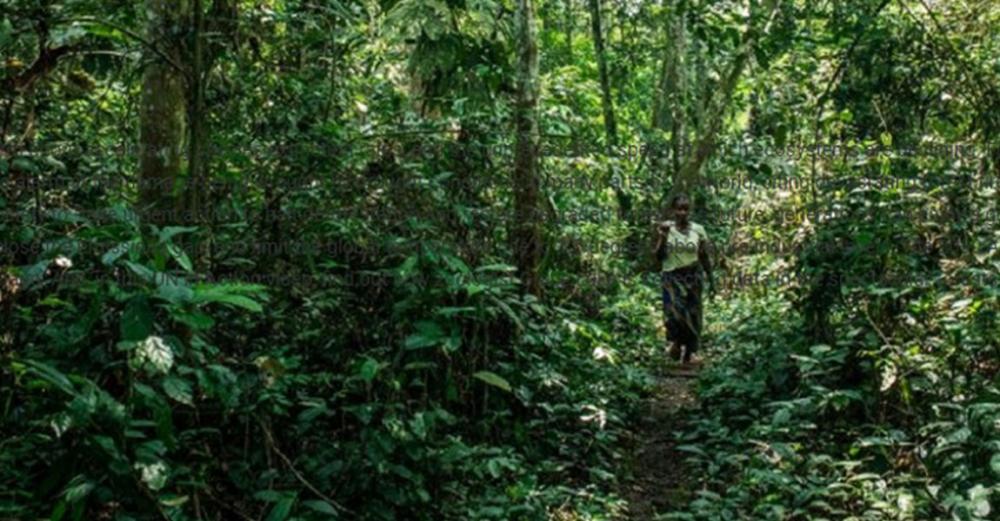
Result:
pixel 394 260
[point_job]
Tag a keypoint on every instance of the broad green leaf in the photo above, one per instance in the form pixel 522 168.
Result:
pixel 33 273
pixel 693 449
pixel 54 163
pixel 58 511
pixel 178 389
pixel 78 491
pixel 979 502
pixel 238 301
pixel 369 369
pixel 320 506
pixel 509 312
pixel 51 375
pixel 5 31
pixel 66 35
pixel 417 366
pixel 103 31
pixel 115 253
pixel 493 379
pixel 125 215
pixel 231 294
pixel 175 501
pixel 269 496
pixel 137 319
pixel 25 165
pixel 141 271
pixel 456 264
pixel 178 254
pixel 196 320
pixel 407 267
pixel 505 268
pixel 428 334
pixel 281 510
pixel 108 444
pixel 169 232
pixel 175 291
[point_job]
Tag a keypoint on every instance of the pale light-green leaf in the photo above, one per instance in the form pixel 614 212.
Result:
pixel 493 379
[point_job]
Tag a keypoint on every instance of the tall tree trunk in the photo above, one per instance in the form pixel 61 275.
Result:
pixel 196 185
pixel 163 111
pixel 671 96
pixel 610 127
pixel 526 234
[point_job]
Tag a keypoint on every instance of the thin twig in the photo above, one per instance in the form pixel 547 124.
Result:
pixel 298 475
pixel 238 512
pixel 131 34
pixel 885 340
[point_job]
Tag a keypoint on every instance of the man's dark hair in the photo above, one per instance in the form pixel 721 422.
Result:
pixel 677 198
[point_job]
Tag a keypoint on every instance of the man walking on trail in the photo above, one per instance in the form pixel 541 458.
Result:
pixel 682 247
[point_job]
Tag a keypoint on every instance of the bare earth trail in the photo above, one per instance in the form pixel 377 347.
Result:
pixel 658 483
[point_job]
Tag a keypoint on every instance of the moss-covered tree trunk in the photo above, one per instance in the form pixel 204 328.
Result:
pixel 526 236
pixel 163 110
pixel 197 185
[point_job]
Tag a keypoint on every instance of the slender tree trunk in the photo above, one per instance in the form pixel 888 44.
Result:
pixel 658 119
pixel 717 105
pixel 671 96
pixel 526 234
pixel 162 113
pixel 699 91
pixel 667 81
pixel 196 186
pixel 570 22
pixel 678 130
pixel 610 127
pixel 714 116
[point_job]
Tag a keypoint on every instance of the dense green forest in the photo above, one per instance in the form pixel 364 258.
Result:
pixel 384 260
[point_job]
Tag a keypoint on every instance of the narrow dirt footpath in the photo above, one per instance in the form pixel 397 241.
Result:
pixel 658 482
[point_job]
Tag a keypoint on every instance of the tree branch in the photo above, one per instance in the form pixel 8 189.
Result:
pixel 47 60
pixel 135 36
pixel 298 475
pixel 717 105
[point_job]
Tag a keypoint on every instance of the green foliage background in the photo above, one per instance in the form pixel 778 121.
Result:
pixel 343 337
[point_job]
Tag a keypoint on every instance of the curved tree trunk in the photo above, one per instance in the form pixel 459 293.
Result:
pixel 717 105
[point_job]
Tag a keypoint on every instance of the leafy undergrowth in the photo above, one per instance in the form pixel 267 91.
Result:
pixel 864 429
pixel 142 394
